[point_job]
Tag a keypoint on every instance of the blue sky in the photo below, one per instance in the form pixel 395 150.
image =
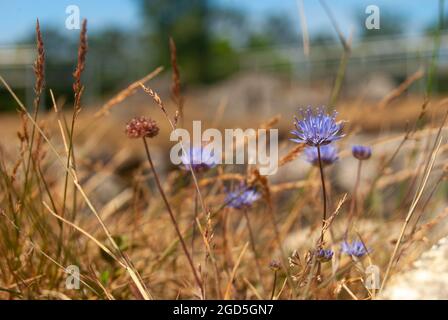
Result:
pixel 17 18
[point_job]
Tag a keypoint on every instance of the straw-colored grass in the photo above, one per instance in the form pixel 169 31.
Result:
pixel 75 191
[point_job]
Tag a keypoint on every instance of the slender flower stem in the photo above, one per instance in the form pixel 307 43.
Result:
pixel 324 195
pixel 173 219
pixel 194 222
pixel 354 202
pixel 252 243
pixel 274 285
pixel 279 241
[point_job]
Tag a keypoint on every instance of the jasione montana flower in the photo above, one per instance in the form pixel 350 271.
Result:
pixel 324 255
pixel 316 128
pixel 242 197
pixel 361 152
pixel 328 155
pixel 356 248
pixel 198 158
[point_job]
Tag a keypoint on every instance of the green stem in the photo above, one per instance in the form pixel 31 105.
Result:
pixel 324 195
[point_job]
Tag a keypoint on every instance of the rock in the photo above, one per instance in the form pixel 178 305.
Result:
pixel 427 279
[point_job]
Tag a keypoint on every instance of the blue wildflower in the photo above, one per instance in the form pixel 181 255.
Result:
pixel 242 197
pixel 361 152
pixel 356 248
pixel 324 255
pixel 199 158
pixel 316 128
pixel 328 155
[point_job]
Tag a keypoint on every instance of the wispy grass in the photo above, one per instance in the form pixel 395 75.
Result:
pixel 58 212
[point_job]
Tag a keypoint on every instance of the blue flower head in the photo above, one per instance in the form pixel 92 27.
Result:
pixel 324 255
pixel 199 158
pixel 361 152
pixel 356 248
pixel 316 127
pixel 328 155
pixel 242 197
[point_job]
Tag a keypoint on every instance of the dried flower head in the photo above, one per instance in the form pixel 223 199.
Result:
pixel 356 249
pixel 316 127
pixel 242 197
pixel 361 152
pixel 198 158
pixel 274 265
pixel 328 155
pixel 324 255
pixel 142 127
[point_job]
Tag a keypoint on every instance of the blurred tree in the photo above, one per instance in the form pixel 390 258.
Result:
pixel 112 51
pixel 277 30
pixel 280 29
pixel 190 23
pixel 323 38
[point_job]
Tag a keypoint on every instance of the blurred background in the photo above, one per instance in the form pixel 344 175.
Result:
pixel 267 54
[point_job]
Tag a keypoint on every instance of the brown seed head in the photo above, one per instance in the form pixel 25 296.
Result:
pixel 39 64
pixel 142 127
pixel 275 265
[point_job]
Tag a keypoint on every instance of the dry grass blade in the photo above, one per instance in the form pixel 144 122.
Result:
pixel 333 20
pixel 72 174
pixel 291 155
pixel 304 27
pixel 80 277
pixel 253 289
pixel 126 93
pixel 159 102
pixel 61 127
pixel 175 85
pixel 212 257
pixel 39 71
pixel 233 274
pixel 401 88
pixel 271 122
pixel 415 201
pixel 88 235
pixel 329 221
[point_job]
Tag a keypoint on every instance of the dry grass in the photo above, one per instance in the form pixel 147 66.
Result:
pixel 99 208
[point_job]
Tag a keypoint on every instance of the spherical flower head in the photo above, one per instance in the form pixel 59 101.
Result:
pixel 361 152
pixel 275 265
pixel 315 127
pixel 324 255
pixel 198 158
pixel 356 249
pixel 141 127
pixel 242 197
pixel 328 155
